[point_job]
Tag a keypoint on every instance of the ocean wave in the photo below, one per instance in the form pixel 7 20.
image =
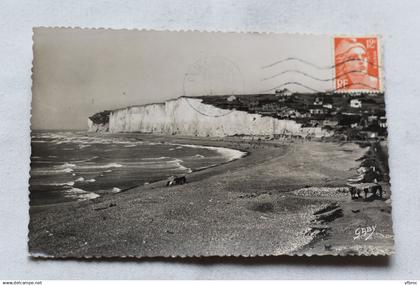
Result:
pixel 177 164
pixel 181 167
pixel 80 179
pixel 85 160
pixel 159 163
pixel 70 183
pixel 82 140
pixel 50 171
pixel 80 194
pixel 116 190
pixel 228 153
pixel 98 166
pixel 82 146
pixel 155 158
pixel 67 165
pixel 63 184
pixel 101 165
pixel 155 164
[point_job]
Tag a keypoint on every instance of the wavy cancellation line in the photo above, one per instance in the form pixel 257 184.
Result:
pixel 309 75
pixel 295 83
pixel 207 115
pixel 315 65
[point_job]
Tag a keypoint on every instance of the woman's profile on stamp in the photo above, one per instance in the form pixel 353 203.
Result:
pixel 356 64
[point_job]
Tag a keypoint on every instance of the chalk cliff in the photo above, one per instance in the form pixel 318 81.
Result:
pixel 189 116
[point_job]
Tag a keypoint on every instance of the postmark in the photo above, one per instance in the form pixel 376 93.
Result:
pixel 211 76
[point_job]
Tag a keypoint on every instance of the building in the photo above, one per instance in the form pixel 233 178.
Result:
pixel 231 98
pixel 317 110
pixel 287 112
pixel 331 123
pixel 318 101
pixel 369 134
pixel 355 103
pixel 382 122
pixel 372 118
pixel 270 107
pixel 313 123
pixel 284 92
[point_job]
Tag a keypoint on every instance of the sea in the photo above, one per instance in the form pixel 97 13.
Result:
pixel 76 166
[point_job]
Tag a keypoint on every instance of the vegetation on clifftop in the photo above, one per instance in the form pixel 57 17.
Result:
pixel 101 117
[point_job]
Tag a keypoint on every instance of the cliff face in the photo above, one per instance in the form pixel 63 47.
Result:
pixel 97 127
pixel 99 122
pixel 189 116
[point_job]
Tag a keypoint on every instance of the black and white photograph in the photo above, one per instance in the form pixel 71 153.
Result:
pixel 198 144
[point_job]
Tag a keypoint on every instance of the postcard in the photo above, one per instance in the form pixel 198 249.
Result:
pixel 196 144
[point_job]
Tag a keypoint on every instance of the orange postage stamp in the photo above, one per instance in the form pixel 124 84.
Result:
pixel 356 62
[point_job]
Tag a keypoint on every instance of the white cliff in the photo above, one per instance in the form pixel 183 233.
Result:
pixel 94 127
pixel 189 116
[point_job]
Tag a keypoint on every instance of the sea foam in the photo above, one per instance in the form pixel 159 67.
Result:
pixel 228 153
pixel 80 194
pixel 103 166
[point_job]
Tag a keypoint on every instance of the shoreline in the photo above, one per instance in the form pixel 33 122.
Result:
pixel 230 154
pixel 220 211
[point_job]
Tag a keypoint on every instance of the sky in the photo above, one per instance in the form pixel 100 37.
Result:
pixel 79 72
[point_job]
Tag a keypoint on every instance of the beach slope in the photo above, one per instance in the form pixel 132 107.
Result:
pixel 251 206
